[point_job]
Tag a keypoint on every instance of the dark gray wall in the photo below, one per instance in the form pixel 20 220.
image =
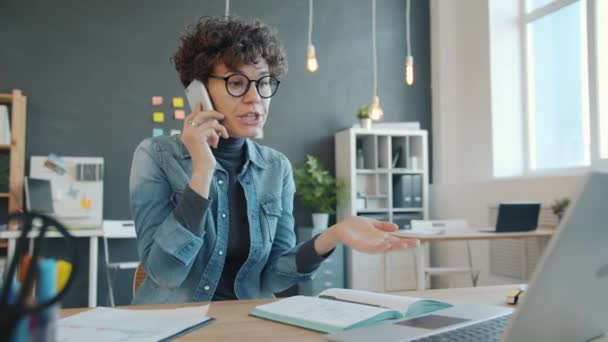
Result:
pixel 90 69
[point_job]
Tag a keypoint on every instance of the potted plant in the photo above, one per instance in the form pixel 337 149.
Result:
pixel 559 207
pixel 318 190
pixel 364 120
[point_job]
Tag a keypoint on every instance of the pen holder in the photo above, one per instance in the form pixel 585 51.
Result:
pixel 16 305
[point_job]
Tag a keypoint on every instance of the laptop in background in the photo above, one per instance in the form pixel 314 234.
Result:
pixel 516 217
pixel 38 196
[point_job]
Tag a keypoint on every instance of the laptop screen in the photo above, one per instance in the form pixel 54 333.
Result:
pixel 39 197
pixel 517 216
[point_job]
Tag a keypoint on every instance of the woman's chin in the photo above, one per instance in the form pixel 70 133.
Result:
pixel 247 132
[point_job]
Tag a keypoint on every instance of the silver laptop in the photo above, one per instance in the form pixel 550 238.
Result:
pixel 567 299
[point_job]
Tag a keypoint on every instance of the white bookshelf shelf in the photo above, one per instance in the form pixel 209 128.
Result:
pixel 387 174
pixel 407 171
pixel 373 211
pixel 371 171
pixel 408 210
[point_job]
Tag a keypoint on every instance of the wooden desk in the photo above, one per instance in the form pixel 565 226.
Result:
pixel 460 235
pixel 93 236
pixel 233 322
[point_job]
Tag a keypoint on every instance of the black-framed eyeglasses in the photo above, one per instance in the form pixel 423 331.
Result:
pixel 238 84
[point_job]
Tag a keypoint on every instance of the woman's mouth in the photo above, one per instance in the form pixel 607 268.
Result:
pixel 251 119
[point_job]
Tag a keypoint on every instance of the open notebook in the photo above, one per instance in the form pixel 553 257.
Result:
pixel 341 309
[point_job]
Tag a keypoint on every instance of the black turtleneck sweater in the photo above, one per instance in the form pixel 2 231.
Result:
pixel 231 154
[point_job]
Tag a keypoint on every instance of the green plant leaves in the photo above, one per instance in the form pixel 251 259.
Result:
pixel 316 187
pixel 363 112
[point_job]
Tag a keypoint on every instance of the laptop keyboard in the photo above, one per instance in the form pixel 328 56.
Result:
pixel 483 332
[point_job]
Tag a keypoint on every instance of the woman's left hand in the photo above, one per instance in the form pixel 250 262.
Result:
pixel 363 234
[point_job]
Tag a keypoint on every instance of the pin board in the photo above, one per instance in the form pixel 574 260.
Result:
pixel 76 185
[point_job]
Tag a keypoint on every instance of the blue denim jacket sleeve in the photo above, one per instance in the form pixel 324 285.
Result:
pixel 281 271
pixel 166 248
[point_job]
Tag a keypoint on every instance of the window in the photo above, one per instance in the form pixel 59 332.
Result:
pixel 563 48
pixel 534 4
pixel 601 59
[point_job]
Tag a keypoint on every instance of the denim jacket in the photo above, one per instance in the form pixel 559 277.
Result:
pixel 183 267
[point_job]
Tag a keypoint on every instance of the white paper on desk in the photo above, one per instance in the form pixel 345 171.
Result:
pixel 109 324
pixel 419 232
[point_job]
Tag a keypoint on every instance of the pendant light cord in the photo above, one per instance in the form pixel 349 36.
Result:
pixel 375 54
pixel 310 22
pixel 407 27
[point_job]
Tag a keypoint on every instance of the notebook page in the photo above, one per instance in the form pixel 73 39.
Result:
pixel 313 309
pixel 399 303
pixel 110 324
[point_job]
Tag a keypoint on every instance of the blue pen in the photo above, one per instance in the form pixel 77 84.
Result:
pixel 21 332
pixel 45 290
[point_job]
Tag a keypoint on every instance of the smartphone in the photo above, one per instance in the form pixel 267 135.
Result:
pixel 197 92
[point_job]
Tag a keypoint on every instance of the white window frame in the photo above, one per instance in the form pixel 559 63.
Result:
pixel 592 96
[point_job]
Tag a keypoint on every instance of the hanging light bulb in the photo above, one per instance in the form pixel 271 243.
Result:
pixel 311 60
pixel 409 60
pixel 375 111
pixel 409 70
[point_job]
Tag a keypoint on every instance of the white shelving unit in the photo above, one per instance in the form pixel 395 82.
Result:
pixel 388 182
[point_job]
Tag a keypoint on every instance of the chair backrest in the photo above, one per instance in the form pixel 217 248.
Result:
pixel 114 229
pixel 138 278
pixel 118 229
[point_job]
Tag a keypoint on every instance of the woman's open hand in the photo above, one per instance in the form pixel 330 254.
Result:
pixel 363 234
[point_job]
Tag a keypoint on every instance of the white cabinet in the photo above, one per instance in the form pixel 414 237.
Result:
pixel 386 173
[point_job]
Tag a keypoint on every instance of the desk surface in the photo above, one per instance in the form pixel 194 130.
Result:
pixel 92 232
pixel 234 324
pixel 470 234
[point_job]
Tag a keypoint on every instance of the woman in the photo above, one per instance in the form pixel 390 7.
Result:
pixel 212 208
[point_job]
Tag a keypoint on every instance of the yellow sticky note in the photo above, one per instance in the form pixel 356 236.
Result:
pixel 157 100
pixel 64 269
pixel 85 203
pixel 179 114
pixel 178 102
pixel 158 117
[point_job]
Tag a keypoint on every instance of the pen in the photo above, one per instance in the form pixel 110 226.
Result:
pixel 45 290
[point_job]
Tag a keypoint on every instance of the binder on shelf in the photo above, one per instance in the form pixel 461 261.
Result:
pixel 417 191
pixel 402 191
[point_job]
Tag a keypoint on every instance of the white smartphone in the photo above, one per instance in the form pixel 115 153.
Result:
pixel 196 92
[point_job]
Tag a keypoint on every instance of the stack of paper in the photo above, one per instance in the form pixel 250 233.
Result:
pixel 109 324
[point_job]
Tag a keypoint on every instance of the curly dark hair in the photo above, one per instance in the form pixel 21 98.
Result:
pixel 232 40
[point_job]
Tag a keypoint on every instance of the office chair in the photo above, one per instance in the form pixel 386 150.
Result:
pixel 116 230
pixel 138 277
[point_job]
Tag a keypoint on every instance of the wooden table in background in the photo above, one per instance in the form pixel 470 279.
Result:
pixel 460 235
pixel 91 234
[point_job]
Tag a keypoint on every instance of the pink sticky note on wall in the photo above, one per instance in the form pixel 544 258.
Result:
pixel 157 100
pixel 179 114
